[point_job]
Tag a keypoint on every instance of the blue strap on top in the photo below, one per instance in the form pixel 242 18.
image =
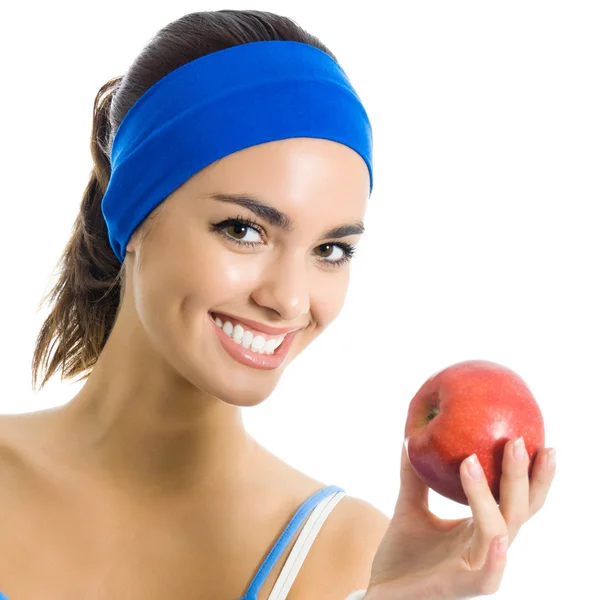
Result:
pixel 282 543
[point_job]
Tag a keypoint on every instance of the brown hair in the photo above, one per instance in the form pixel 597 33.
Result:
pixel 84 301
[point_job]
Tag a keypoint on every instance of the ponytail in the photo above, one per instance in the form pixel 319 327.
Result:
pixel 85 299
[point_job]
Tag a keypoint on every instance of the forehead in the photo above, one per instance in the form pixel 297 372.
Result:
pixel 307 178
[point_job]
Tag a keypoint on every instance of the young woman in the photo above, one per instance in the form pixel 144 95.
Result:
pixel 232 171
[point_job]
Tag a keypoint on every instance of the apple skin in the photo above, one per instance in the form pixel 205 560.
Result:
pixel 471 407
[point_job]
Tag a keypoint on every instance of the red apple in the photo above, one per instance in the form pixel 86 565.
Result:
pixel 472 407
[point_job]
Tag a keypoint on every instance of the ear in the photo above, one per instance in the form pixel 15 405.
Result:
pixel 134 240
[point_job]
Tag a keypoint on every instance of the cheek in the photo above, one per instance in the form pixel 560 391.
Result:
pixel 328 296
pixel 198 276
pixel 224 278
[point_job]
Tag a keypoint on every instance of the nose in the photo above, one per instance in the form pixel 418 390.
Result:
pixel 284 287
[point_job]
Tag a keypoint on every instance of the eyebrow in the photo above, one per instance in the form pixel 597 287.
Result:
pixel 278 219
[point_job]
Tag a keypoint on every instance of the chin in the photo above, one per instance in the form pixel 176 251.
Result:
pixel 243 392
pixel 235 384
pixel 212 370
pixel 248 399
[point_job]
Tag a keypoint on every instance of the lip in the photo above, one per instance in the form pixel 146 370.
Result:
pixel 261 327
pixel 253 359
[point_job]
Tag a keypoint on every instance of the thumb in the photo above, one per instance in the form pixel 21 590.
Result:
pixel 414 492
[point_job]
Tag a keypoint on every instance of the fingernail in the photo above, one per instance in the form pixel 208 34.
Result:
pixel 519 451
pixel 551 458
pixel 503 544
pixel 473 467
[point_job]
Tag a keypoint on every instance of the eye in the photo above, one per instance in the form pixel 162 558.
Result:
pixel 238 231
pixel 340 252
pixel 331 251
pixel 246 232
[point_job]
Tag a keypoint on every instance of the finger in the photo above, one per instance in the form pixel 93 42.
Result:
pixel 542 476
pixel 514 486
pixel 488 521
pixel 487 580
pixel 414 492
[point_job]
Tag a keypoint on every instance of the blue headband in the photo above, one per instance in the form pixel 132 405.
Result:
pixel 219 104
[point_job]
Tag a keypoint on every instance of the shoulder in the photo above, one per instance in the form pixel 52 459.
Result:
pixel 343 561
pixel 13 462
pixel 362 516
pixel 10 456
pixel 13 475
pixel 362 528
pixel 20 435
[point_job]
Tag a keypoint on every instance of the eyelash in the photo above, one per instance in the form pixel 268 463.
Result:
pixel 221 227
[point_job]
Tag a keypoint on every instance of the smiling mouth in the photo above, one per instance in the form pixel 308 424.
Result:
pixel 250 339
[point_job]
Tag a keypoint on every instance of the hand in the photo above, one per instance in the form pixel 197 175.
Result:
pixel 422 557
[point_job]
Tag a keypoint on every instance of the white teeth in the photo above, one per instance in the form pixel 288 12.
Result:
pixel 270 345
pixel 246 339
pixel 258 343
pixel 238 332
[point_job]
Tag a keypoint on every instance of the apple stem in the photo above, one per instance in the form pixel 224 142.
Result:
pixel 432 413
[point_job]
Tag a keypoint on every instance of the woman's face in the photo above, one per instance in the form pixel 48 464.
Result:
pixel 249 241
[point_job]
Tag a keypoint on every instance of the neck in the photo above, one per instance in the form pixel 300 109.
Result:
pixel 144 426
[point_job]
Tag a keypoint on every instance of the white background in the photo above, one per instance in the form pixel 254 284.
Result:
pixel 481 235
